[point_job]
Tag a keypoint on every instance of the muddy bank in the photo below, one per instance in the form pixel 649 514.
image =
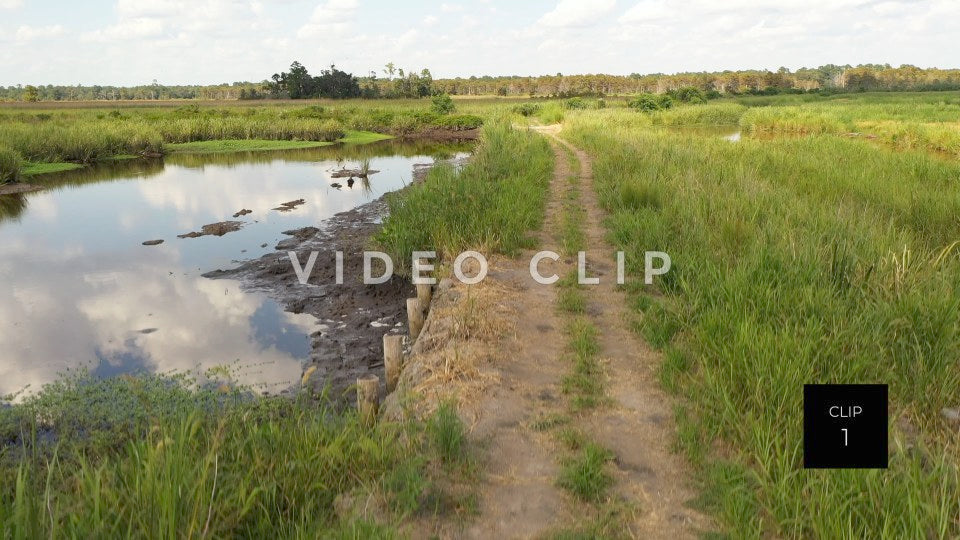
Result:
pixel 353 316
pixel 16 187
pixel 442 135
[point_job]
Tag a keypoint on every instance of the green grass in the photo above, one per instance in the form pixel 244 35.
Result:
pixel 31 168
pixel 491 204
pixel 905 122
pixel 710 113
pixel 572 236
pixel 796 260
pixel 585 476
pixel 149 457
pixel 243 145
pixel 363 137
pixel 571 301
pixel 448 435
pixel 10 165
pixel 584 383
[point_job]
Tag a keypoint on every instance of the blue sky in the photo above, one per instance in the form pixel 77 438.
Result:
pixel 130 42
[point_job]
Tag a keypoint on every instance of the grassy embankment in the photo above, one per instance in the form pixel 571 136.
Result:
pixel 48 140
pixel 147 456
pixel 817 259
pixel 491 205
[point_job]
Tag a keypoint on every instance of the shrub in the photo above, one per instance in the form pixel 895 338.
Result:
pixel 575 103
pixel 645 103
pixel 442 104
pixel 527 109
pixel 651 102
pixel 689 94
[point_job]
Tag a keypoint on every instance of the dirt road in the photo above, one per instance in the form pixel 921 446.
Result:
pixel 519 495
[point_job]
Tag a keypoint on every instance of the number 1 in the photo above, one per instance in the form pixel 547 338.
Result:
pixel 844 430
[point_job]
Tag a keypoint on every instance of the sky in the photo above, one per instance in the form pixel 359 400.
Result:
pixel 130 42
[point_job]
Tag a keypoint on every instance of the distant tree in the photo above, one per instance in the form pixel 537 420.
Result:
pixel 334 83
pixel 30 93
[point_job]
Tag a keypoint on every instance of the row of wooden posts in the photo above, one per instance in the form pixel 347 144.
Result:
pixel 368 386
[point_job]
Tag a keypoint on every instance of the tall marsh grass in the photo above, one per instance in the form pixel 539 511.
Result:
pixel 145 457
pixel 84 136
pixel 492 203
pixel 706 114
pixel 10 165
pixel 801 260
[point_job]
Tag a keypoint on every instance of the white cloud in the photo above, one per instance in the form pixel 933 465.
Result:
pixel 30 33
pixel 332 16
pixel 647 11
pixel 10 4
pixel 138 28
pixel 575 13
pixel 430 20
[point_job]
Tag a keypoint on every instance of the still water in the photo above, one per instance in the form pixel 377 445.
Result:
pixel 80 290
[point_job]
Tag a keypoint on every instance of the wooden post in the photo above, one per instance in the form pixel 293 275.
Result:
pixel 368 397
pixel 423 294
pixel 392 358
pixel 414 317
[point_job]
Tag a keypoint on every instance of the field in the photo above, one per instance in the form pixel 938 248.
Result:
pixel 801 255
pixel 822 246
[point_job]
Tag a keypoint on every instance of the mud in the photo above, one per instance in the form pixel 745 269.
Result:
pixel 289 205
pixel 214 229
pixel 350 173
pixel 17 187
pixel 353 317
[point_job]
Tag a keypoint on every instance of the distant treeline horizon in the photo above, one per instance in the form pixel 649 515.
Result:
pixel 395 82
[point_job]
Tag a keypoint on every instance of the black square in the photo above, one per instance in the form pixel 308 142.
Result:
pixel 845 426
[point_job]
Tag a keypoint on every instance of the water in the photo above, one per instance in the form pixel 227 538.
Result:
pixel 81 291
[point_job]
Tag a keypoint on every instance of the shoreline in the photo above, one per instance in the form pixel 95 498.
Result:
pixel 352 317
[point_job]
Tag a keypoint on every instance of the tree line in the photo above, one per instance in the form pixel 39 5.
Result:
pixel 394 82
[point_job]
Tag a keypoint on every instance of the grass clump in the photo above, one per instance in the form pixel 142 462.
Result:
pixel 585 476
pixel 245 145
pixel 571 301
pixel 10 165
pixel 31 168
pixel 494 201
pixel 448 435
pixel 584 381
